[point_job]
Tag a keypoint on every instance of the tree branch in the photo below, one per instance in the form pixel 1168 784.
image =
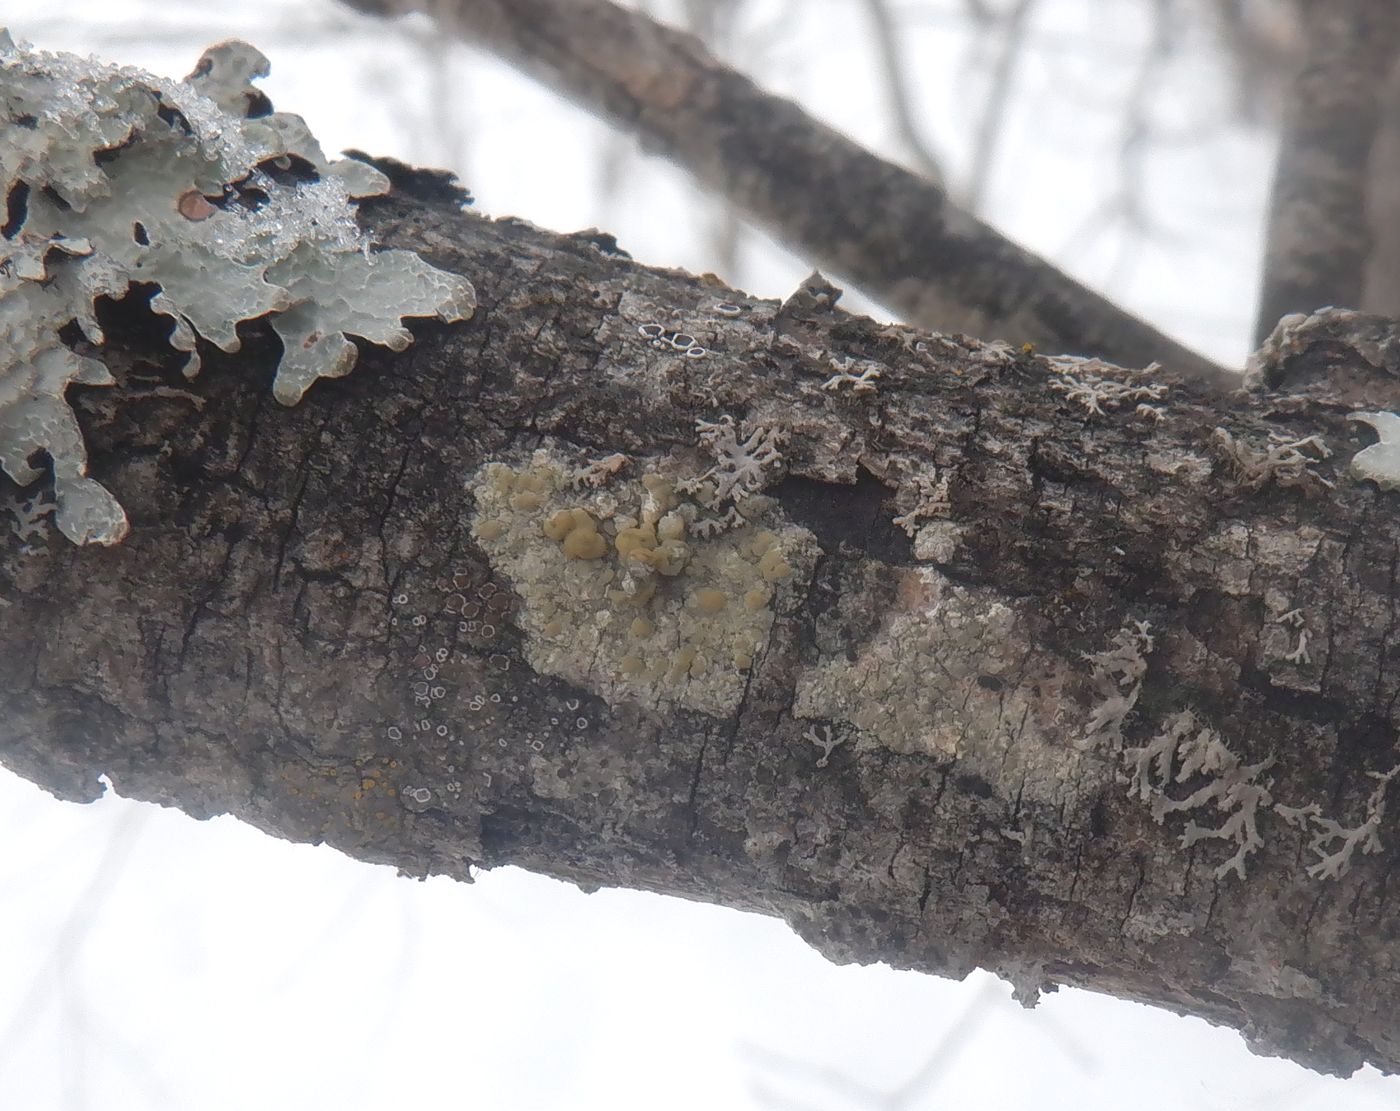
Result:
pixel 1023 628
pixel 895 235
pixel 1319 234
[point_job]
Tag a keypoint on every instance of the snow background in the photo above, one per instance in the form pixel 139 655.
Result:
pixel 151 961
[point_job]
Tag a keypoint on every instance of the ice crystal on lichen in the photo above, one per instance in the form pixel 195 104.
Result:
pixel 115 176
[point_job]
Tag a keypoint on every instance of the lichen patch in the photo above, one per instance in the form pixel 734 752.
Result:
pixel 952 674
pixel 624 590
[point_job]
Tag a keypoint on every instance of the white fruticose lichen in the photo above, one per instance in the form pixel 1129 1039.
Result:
pixel 863 382
pixel 115 176
pixel 1381 461
pixel 1117 674
pixel 1185 750
pixel 824 741
pixel 1287 460
pixel 622 594
pixel 1090 383
pixel 930 502
pixel 1335 843
pixel 741 467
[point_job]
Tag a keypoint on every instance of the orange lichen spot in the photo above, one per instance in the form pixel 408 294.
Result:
pixel 762 543
pixel 585 543
pixel 553 627
pixel 743 661
pixel 631 666
pixel 680 663
pixel 641 628
pixel 755 599
pixel 488 528
pixel 709 600
pixel 662 490
pixel 773 567
pixel 639 538
pixel 527 501
pixel 559 525
pixel 668 558
pixel 368 784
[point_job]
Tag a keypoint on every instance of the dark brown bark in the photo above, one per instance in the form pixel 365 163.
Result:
pixel 296 579
pixel 895 234
pixel 1319 235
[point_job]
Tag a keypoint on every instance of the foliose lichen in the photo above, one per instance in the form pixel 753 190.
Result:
pixel 114 176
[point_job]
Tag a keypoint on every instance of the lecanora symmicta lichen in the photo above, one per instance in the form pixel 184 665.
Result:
pixel 623 594
pixel 114 176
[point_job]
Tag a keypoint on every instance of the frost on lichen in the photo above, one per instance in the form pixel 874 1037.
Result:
pixel 633 587
pixel 115 176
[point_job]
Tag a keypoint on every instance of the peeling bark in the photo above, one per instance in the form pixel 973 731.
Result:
pixel 939 758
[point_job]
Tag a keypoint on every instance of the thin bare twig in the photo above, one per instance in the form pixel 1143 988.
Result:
pixel 897 91
pixel 897 236
pixel 993 119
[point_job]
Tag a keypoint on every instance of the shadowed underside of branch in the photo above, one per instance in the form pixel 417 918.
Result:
pixel 895 234
pixel 1033 693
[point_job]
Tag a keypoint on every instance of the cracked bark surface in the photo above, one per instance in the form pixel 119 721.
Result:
pixel 261 642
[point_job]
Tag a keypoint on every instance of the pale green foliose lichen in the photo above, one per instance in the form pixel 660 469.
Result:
pixel 1381 461
pixel 624 594
pixel 116 176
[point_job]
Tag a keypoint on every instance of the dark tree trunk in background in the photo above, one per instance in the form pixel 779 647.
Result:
pixel 925 763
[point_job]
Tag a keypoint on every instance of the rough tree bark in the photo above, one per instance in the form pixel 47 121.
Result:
pixel 305 629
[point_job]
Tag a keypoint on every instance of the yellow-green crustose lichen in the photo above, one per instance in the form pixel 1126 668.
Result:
pixel 636 589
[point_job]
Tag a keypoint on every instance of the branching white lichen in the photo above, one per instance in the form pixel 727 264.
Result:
pixel 1184 750
pixel 864 382
pixel 116 176
pixel 931 502
pixel 1287 461
pixel 1116 676
pixel 600 471
pixel 1335 843
pixel 1090 383
pixel 31 519
pixel 742 466
pixel 1294 620
pixel 823 741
